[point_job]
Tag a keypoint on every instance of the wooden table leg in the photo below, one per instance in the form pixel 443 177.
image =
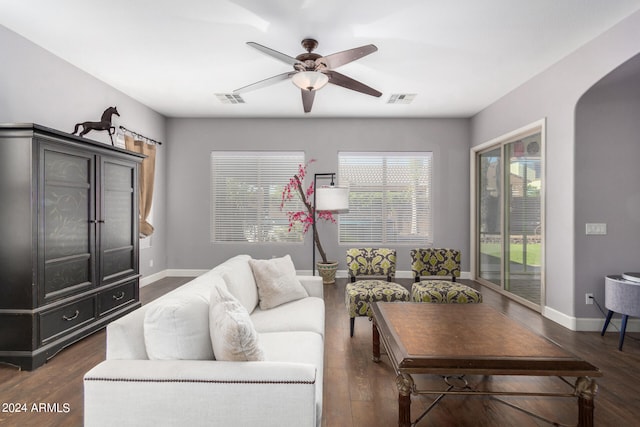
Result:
pixel 405 388
pixel 586 389
pixel 376 342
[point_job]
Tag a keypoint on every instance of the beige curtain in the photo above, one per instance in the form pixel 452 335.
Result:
pixel 147 170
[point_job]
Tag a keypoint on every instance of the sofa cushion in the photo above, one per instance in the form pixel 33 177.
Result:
pixel 277 282
pixel 238 276
pixel 305 314
pixel 203 285
pixel 233 336
pixel 177 328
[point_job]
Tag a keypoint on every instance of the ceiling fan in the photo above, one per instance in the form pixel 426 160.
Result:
pixel 313 71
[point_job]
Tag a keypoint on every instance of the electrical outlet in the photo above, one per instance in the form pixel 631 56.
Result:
pixel 596 229
pixel 151 264
pixel 588 299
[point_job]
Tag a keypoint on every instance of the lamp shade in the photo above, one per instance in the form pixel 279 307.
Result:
pixel 331 198
pixel 310 80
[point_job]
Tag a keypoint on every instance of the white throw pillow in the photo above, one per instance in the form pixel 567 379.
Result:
pixel 233 336
pixel 277 282
pixel 178 329
pixel 238 276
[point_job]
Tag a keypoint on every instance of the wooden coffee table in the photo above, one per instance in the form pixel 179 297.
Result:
pixel 471 339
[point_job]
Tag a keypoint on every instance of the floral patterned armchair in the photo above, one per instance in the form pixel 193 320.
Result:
pixel 360 294
pixel 371 262
pixel 439 262
pixel 435 262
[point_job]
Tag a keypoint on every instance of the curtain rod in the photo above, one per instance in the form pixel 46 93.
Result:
pixel 140 135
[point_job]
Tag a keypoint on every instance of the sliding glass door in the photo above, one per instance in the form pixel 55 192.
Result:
pixel 489 216
pixel 523 222
pixel 509 216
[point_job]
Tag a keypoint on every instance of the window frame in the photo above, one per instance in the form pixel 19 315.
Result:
pixel 261 181
pixel 422 239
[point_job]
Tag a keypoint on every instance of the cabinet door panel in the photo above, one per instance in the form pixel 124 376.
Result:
pixel 118 221
pixel 117 262
pixel 67 232
pixel 66 220
pixel 66 275
pixel 118 232
pixel 66 166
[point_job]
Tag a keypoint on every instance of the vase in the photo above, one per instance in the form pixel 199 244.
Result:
pixel 327 271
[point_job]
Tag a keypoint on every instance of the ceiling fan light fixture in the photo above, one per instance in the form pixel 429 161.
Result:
pixel 310 80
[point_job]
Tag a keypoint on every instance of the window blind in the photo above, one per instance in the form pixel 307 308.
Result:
pixel 246 192
pixel 390 198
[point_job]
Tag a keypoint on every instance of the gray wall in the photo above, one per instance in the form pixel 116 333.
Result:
pixel 192 141
pixel 553 95
pixel 608 141
pixel 38 87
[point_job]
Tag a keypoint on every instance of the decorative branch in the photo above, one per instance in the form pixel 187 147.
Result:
pixel 305 218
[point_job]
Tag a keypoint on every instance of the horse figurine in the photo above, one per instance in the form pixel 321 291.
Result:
pixel 103 124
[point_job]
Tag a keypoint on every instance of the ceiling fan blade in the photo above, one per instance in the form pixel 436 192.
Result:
pixel 265 82
pixel 307 99
pixel 340 58
pixel 275 54
pixel 349 83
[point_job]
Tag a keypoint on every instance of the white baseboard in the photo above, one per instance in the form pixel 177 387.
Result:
pixel 560 318
pixel 145 280
pixel 596 325
pixel 585 324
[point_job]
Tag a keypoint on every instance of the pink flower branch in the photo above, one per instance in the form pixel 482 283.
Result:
pixel 306 217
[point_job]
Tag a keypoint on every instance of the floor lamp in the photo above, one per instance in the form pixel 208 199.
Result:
pixel 327 198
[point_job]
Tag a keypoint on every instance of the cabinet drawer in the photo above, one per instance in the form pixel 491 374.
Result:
pixel 116 297
pixel 67 317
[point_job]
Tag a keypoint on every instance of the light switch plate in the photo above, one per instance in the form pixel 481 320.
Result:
pixel 596 228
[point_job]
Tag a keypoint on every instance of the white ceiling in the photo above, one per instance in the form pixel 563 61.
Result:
pixel 174 56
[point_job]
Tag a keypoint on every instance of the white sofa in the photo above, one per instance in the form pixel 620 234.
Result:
pixel 284 389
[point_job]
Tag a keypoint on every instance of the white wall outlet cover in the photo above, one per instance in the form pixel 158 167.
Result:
pixel 592 228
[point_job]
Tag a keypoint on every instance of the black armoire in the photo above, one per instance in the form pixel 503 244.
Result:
pixel 68 240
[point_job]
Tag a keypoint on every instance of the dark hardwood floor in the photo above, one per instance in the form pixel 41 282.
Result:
pixel 358 392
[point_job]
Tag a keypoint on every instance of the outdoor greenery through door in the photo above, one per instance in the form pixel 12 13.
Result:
pixel 509 215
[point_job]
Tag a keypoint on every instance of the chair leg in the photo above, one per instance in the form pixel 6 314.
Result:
pixel 352 324
pixel 606 322
pixel 622 329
